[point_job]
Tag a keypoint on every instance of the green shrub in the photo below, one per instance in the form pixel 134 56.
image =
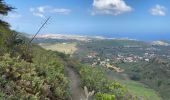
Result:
pixel 100 96
pixel 95 79
pixel 21 79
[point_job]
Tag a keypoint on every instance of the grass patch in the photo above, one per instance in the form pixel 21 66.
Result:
pixel 140 90
pixel 67 48
pixel 136 88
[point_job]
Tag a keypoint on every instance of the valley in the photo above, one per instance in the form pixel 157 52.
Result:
pixel 84 50
pixel 118 58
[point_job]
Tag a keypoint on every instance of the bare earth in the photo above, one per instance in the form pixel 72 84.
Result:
pixel 77 92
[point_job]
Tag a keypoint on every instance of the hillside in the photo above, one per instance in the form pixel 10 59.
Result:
pixel 75 67
pixel 34 73
pixel 144 64
pixel 141 61
pixel 155 74
pixel 29 72
pixel 90 52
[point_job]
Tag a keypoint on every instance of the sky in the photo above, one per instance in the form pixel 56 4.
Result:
pixel 99 17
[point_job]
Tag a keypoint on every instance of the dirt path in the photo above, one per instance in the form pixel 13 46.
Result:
pixel 77 92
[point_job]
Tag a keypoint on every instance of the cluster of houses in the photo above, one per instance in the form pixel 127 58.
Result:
pixel 108 61
pixel 121 58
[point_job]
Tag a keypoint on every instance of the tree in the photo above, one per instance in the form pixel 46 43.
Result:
pixel 4 10
pixel 5 32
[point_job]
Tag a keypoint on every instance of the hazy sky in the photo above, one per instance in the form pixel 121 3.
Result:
pixel 91 16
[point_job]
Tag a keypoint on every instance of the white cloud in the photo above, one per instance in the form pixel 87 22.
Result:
pixel 112 7
pixel 158 10
pixel 37 12
pixel 43 10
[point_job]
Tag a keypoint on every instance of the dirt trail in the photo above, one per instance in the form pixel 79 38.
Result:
pixel 77 92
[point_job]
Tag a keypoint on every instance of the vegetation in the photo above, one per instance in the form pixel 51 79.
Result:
pixel 155 74
pixel 105 48
pixel 152 74
pixel 21 79
pixel 29 72
pixel 134 87
pixel 95 80
pixel 26 70
pixel 89 74
pixel 100 96
pixel 140 90
pixel 4 9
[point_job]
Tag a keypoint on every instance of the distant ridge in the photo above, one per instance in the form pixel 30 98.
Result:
pixel 67 37
pixel 76 37
pixel 88 38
